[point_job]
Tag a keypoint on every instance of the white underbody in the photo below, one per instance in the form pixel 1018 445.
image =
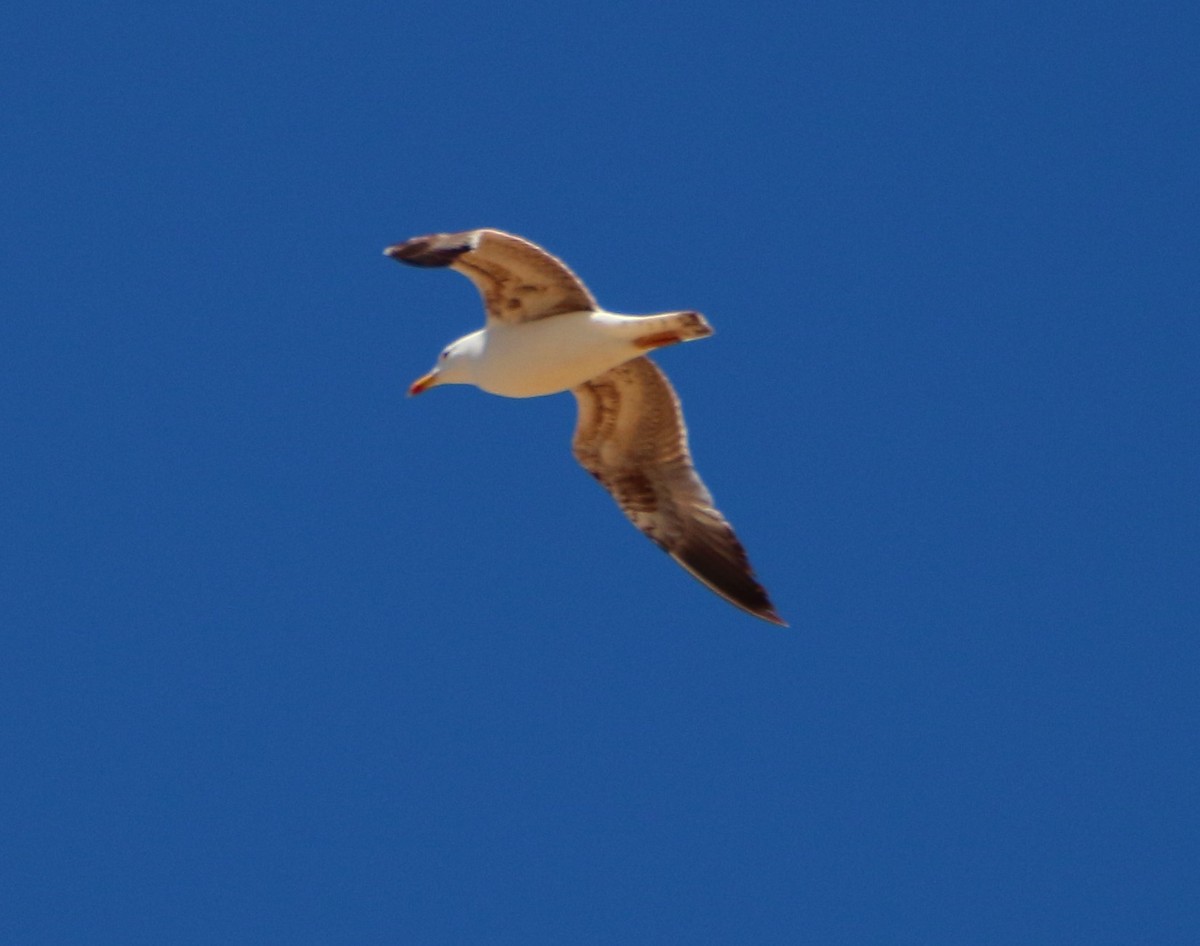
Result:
pixel 551 355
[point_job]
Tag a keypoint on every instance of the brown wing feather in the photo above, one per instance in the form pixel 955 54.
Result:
pixel 518 280
pixel 631 437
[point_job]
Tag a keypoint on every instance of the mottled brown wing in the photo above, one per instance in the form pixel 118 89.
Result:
pixel 518 280
pixel 631 437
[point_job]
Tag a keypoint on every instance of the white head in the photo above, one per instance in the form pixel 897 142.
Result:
pixel 455 365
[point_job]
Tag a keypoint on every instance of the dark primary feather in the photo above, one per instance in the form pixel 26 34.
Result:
pixel 631 436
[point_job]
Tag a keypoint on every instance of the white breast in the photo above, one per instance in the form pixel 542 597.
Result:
pixel 551 355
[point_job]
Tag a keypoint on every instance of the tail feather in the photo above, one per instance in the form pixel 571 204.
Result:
pixel 671 328
pixel 692 325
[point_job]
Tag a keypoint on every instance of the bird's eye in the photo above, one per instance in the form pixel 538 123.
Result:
pixel 442 356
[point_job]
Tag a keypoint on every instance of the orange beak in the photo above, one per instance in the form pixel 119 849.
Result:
pixel 423 383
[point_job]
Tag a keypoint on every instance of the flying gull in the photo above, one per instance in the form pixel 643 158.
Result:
pixel 545 334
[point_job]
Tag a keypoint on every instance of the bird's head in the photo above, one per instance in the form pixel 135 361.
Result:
pixel 455 365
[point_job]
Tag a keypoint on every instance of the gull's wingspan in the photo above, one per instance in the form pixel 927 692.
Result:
pixel 519 281
pixel 631 437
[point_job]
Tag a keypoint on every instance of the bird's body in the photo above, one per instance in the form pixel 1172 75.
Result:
pixel 550 356
pixel 545 334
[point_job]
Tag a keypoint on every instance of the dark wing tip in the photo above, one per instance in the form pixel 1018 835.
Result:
pixel 723 566
pixel 441 249
pixel 772 616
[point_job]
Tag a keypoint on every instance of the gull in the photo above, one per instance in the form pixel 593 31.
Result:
pixel 544 333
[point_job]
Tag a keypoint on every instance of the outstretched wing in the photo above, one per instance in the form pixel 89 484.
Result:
pixel 631 437
pixel 519 281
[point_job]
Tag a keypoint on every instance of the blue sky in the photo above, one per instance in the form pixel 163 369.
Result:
pixel 288 658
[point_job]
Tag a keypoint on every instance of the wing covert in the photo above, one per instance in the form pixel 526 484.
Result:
pixel 518 280
pixel 631 436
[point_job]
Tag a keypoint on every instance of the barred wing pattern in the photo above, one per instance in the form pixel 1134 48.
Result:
pixel 631 437
pixel 518 280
